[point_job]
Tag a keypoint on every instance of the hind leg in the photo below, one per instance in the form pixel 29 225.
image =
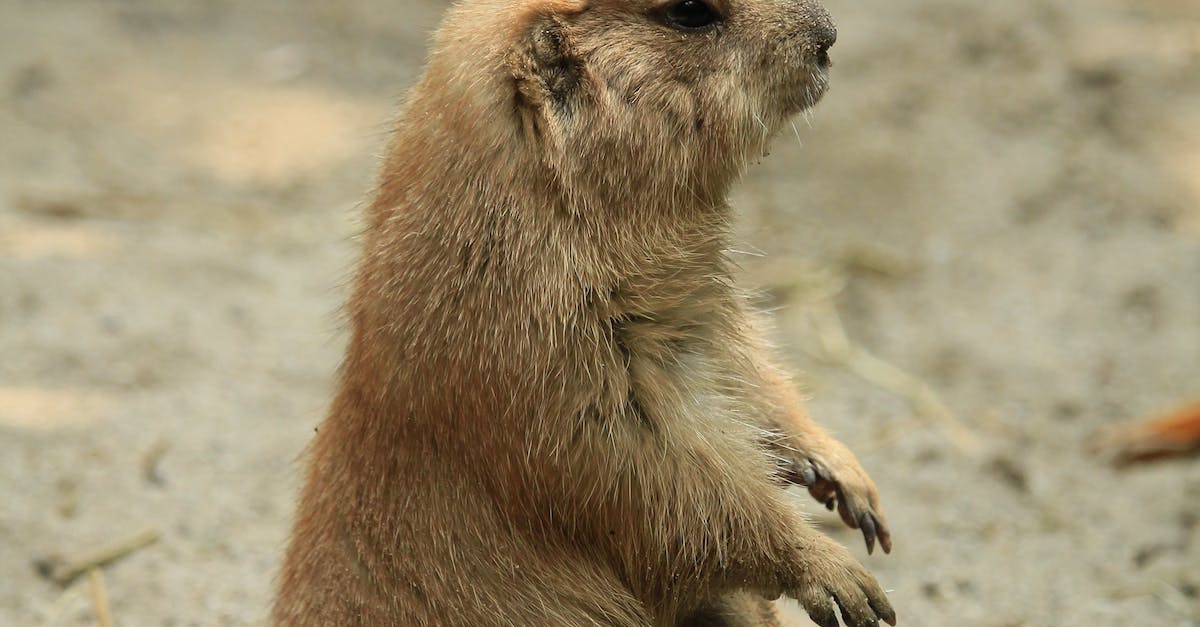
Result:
pixel 738 609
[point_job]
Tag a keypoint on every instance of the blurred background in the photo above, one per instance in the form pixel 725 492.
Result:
pixel 983 249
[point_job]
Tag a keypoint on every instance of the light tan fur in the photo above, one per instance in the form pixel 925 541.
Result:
pixel 555 408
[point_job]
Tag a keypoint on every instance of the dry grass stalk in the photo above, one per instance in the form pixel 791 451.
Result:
pixel 99 598
pixel 812 288
pixel 835 347
pixel 66 572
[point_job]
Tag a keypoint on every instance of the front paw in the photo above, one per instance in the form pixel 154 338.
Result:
pixel 834 477
pixel 830 578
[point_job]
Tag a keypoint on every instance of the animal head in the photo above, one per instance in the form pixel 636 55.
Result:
pixel 672 97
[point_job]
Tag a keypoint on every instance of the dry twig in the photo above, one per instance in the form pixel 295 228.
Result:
pixel 813 288
pixel 65 572
pixel 834 346
pixel 99 598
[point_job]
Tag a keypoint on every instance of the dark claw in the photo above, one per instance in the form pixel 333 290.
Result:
pixel 885 540
pixel 867 523
pixel 825 616
pixel 849 516
pixel 877 599
pixel 849 618
pixel 808 475
pixel 828 621
pixel 883 611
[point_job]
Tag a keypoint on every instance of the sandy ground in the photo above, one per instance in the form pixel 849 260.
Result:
pixel 1007 194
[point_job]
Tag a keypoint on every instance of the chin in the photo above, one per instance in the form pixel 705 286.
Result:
pixel 808 89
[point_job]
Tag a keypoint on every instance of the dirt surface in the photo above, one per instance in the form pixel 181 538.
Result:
pixel 1005 195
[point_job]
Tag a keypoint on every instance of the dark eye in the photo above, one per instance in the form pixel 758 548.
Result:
pixel 692 14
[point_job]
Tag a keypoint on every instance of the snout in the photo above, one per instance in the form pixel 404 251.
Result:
pixel 820 31
pixel 824 36
pixel 812 34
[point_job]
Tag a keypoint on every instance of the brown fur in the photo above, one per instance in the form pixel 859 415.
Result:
pixel 555 409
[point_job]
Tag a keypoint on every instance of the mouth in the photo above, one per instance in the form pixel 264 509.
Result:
pixel 805 79
pixel 813 86
pixel 823 60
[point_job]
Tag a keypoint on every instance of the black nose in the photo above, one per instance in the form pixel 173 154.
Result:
pixel 824 36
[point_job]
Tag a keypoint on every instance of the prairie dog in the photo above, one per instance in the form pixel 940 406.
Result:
pixel 555 408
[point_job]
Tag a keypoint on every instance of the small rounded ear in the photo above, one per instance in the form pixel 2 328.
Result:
pixel 546 65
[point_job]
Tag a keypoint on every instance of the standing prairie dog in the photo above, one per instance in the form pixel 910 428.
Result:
pixel 555 408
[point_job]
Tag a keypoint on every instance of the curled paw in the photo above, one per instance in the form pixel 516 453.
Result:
pixel 835 478
pixel 835 583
